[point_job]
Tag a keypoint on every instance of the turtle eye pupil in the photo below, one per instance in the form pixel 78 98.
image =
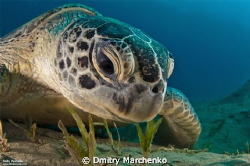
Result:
pixel 107 66
pixel 104 63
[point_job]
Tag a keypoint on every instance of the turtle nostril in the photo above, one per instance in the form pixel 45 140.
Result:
pixel 158 88
pixel 155 90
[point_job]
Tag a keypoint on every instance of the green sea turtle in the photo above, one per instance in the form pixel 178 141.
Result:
pixel 73 56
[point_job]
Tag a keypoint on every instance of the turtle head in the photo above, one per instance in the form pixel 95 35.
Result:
pixel 112 70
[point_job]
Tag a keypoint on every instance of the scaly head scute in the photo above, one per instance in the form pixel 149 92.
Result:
pixel 112 67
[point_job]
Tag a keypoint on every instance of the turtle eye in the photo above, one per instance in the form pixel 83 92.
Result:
pixel 105 64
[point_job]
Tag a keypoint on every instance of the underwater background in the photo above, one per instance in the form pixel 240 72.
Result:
pixel 210 39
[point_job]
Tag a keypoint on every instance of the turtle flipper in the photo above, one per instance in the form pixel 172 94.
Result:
pixel 4 85
pixel 180 126
pixel 4 82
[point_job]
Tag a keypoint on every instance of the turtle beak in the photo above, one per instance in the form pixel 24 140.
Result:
pixel 139 102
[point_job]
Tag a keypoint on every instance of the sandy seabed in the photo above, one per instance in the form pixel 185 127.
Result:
pixel 52 152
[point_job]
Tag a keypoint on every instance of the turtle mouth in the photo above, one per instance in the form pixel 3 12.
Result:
pixel 127 97
pixel 118 118
pixel 136 104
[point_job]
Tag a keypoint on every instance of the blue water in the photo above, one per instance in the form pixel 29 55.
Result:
pixel 209 39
